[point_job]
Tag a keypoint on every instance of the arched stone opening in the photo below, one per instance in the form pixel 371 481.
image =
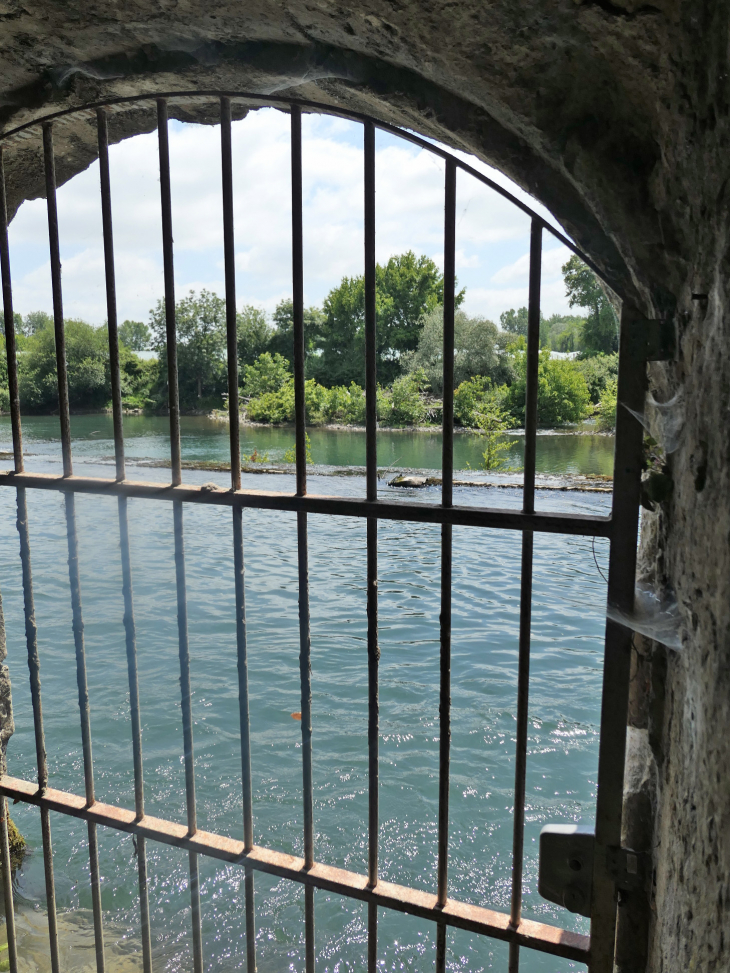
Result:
pixel 612 114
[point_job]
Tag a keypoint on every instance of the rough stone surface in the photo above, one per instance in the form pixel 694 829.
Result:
pixel 614 113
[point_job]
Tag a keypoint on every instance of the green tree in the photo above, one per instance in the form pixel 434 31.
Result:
pixel 514 322
pixel 493 423
pixel 281 340
pixel 407 287
pixel 600 328
pixel 268 373
pixel 135 335
pixel 87 356
pixel 34 321
pixel 562 394
pixel 201 347
pixel 253 334
pixel 475 350
pixel 598 371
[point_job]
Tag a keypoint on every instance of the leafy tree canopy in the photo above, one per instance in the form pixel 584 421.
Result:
pixel 600 328
pixel 135 335
pixel 407 287
pixel 514 322
pixel 254 334
pixel 475 350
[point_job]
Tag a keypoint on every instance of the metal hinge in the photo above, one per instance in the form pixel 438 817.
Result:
pixel 627 868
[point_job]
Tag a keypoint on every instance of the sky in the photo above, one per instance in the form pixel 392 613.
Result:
pixel 492 235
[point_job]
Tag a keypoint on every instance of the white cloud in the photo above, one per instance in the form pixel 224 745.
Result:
pixel 492 234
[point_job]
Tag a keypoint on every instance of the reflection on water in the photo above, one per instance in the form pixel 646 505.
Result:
pixel 568 620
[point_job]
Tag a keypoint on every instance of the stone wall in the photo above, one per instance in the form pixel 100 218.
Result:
pixel 615 114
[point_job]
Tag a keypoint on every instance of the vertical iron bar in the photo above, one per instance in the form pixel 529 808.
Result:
pixel 169 269
pixel 447 491
pixel 81 681
pixel 229 254
pixel 61 371
pixel 34 668
pixel 305 663
pixel 130 632
pixel 632 385
pixel 242 646
pixel 298 297
pixel 8 886
pixel 528 506
pixel 187 720
pixel 102 131
pixel 371 463
pixel 4 840
pixel 9 318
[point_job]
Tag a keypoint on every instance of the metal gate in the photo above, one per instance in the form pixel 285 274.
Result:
pixel 620 528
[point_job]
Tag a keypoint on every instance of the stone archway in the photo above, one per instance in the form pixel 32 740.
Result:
pixel 614 113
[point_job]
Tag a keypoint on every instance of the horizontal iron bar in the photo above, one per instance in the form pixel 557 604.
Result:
pixel 284 102
pixel 551 523
pixel 472 918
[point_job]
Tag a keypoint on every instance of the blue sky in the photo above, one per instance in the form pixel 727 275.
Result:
pixel 492 236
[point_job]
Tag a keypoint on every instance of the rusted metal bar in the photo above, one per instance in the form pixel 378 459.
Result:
pixel 587 525
pixel 102 129
pixel 8 887
pixel 187 721
pixel 34 667
pixel 298 298
pixel 305 675
pixel 632 384
pixel 61 370
pixel 9 319
pixel 130 631
pixel 229 257
pixel 305 664
pixel 447 476
pixel 169 271
pixel 458 915
pixel 245 724
pixel 371 466
pixel 83 689
pixel 528 507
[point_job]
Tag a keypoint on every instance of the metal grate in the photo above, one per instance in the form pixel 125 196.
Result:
pixel 620 528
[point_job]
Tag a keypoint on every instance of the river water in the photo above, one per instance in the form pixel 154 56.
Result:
pixel 567 631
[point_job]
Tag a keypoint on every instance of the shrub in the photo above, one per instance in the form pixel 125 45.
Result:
pixel 267 374
pixel 494 423
pixel 598 371
pixel 405 404
pixel 607 407
pixel 476 397
pixel 562 391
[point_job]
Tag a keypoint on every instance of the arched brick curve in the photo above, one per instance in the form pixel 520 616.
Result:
pixel 615 114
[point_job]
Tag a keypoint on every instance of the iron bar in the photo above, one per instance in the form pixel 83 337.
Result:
pixel 102 129
pixel 60 336
pixel 528 507
pixel 587 525
pixel 130 631
pixel 628 463
pixel 169 270
pixel 458 915
pixel 447 496
pixel 305 662
pixel 371 465
pixel 83 689
pixel 229 256
pixel 298 299
pixel 8 887
pixel 187 721
pixel 9 319
pixel 245 724
pixel 34 667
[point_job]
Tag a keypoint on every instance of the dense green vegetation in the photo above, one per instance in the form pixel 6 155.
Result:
pixel 489 361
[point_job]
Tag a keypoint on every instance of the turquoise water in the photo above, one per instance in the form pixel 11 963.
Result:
pixel 205 439
pixel 567 631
